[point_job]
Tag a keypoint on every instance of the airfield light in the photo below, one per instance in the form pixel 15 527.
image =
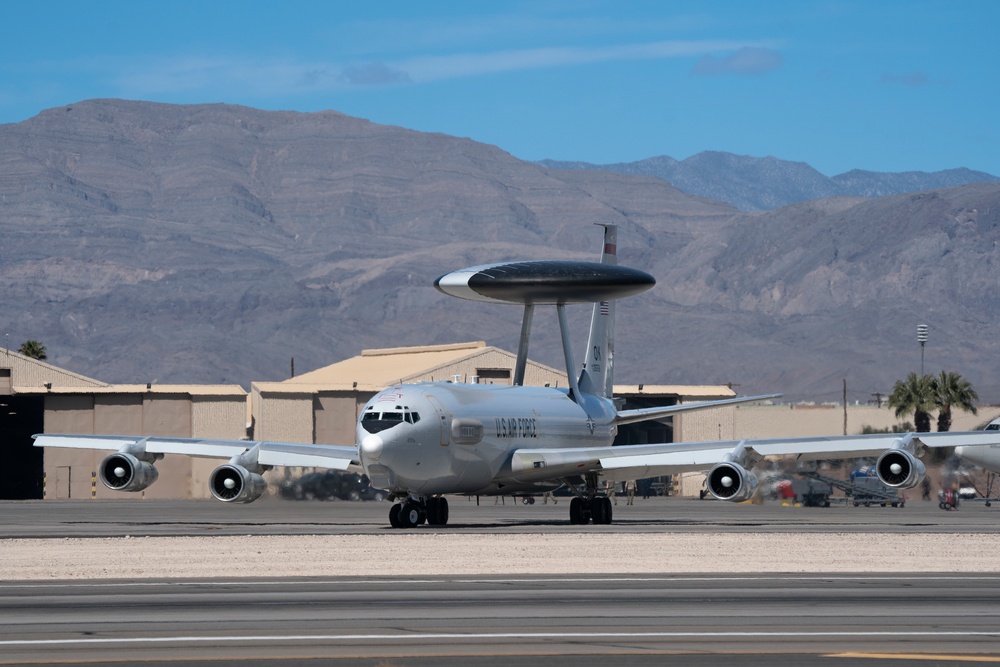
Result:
pixel 922 339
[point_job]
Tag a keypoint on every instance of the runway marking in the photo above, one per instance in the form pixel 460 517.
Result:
pixel 96 583
pixel 916 656
pixel 490 635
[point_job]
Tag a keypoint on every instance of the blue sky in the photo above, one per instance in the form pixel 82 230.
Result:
pixel 885 86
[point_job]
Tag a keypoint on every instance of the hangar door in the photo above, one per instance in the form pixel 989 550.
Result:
pixel 21 472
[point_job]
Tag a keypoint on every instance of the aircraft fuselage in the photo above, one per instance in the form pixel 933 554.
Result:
pixel 442 437
pixel 987 456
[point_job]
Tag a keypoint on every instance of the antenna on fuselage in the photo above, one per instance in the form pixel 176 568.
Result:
pixel 557 283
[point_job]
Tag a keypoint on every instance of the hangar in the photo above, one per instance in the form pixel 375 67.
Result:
pixel 23 383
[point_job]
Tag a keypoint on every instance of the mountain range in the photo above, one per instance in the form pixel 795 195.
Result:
pixel 762 184
pixel 145 242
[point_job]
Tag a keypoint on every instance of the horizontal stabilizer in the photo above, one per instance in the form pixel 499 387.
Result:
pixel 644 414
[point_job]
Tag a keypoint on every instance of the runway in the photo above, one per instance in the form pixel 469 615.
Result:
pixel 272 516
pixel 745 611
pixel 566 620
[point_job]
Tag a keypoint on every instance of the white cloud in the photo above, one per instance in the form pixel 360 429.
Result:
pixel 432 68
pixel 224 75
pixel 746 60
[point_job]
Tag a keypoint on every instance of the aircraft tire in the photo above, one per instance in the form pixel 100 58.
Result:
pixel 600 509
pixel 394 516
pixel 409 515
pixel 597 510
pixel 606 502
pixel 437 511
pixel 576 514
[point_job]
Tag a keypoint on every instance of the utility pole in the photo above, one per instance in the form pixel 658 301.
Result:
pixel 845 406
pixel 922 339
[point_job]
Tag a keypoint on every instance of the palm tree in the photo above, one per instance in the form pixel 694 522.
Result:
pixel 951 390
pixel 914 394
pixel 33 349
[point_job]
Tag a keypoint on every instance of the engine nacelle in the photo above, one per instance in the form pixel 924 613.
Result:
pixel 125 472
pixel 899 468
pixel 731 481
pixel 232 483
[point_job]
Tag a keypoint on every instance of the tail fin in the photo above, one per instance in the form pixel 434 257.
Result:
pixel 597 376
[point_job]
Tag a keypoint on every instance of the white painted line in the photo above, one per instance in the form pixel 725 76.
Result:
pixel 492 635
pixel 880 578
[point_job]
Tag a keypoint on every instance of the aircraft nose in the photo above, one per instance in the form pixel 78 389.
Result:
pixel 371 447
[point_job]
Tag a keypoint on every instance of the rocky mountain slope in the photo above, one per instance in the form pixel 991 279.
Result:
pixel 763 184
pixel 212 243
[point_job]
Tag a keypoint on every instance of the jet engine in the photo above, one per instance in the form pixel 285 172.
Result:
pixel 124 472
pixel 899 468
pixel 731 481
pixel 233 483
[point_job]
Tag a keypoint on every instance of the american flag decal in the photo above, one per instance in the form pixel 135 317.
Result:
pixel 605 308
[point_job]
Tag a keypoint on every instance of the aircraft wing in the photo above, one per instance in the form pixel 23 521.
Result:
pixel 270 453
pixel 645 414
pixel 639 461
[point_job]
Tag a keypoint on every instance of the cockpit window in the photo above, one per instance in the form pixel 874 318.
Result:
pixel 373 421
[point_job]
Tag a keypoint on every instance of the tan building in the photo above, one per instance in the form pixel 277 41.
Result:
pixel 36 397
pixel 23 384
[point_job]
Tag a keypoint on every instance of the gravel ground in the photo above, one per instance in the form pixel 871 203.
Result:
pixel 465 554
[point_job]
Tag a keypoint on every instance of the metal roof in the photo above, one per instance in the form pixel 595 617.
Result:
pixel 190 389
pixel 383 367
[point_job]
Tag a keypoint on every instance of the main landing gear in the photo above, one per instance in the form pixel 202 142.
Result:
pixel 585 510
pixel 589 506
pixel 413 512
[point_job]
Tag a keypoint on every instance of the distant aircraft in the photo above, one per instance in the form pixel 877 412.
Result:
pixel 984 457
pixel 422 441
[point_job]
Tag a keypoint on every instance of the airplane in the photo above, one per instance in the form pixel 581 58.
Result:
pixel 987 457
pixel 423 441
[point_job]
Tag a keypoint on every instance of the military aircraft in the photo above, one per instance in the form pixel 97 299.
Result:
pixel 987 458
pixel 423 441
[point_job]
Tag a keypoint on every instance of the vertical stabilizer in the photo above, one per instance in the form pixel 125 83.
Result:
pixel 597 376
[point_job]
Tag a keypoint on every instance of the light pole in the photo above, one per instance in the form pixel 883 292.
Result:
pixel 922 339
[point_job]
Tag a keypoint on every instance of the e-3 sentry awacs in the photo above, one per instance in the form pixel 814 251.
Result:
pixel 424 441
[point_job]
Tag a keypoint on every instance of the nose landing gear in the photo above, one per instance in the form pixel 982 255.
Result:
pixel 416 511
